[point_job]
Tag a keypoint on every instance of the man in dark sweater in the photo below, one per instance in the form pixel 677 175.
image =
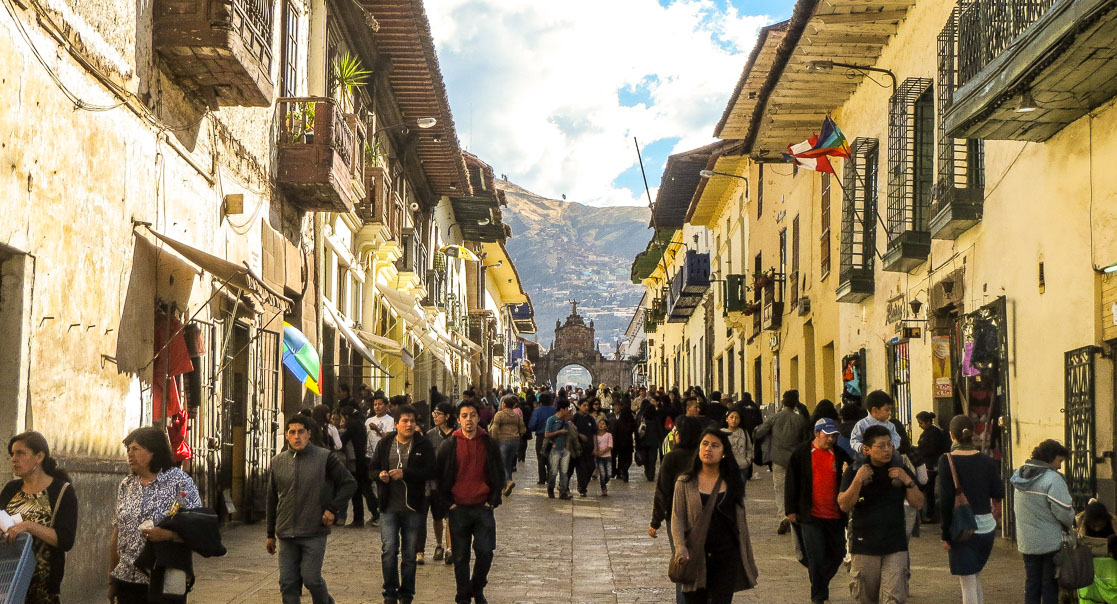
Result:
pixel 402 464
pixel 811 501
pixel 587 430
pixel 470 478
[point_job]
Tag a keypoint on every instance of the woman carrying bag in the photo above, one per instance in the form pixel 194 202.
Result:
pixel 978 478
pixel 713 554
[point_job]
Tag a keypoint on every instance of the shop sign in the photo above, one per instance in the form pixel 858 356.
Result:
pixel 895 310
pixel 774 342
pixel 940 367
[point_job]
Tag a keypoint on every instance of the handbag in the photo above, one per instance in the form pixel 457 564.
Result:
pixel 1074 564
pixel 962 522
pixel 687 572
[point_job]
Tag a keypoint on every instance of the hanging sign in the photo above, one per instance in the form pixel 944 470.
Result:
pixel 940 367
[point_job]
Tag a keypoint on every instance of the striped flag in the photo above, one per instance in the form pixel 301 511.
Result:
pixel 812 153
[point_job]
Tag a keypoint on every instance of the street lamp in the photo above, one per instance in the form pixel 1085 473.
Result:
pixel 423 123
pixel 711 173
pixel 825 65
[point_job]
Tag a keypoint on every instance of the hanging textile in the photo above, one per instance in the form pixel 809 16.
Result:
pixel 171 360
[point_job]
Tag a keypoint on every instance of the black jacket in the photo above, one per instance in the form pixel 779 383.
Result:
pixel 798 493
pixel 65 524
pixel 448 469
pixel 680 460
pixel 199 531
pixel 421 467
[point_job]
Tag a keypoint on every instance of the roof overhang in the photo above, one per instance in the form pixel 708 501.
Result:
pixel 504 273
pixel 681 177
pixel 404 38
pixel 792 99
pixel 714 192
pixel 647 261
pixel 479 217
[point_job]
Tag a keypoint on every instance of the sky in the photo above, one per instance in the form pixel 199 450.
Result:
pixel 553 93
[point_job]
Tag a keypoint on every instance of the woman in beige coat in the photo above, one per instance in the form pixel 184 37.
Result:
pixel 726 563
pixel 506 429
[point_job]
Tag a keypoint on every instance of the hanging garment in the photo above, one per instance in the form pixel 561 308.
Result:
pixel 171 360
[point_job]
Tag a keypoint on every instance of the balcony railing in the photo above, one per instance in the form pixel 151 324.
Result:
pixel 317 154
pixel 987 27
pixel 220 49
pixel 380 205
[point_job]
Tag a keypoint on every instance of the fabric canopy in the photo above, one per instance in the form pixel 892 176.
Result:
pixel 350 335
pixel 381 343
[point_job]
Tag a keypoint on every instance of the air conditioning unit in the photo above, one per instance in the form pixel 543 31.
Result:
pixel 804 306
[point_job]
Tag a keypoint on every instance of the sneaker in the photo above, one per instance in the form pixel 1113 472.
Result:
pixel 508 486
pixel 583 494
pixel 551 492
pixel 419 558
pixel 449 557
pixel 355 524
pixel 439 553
pixel 565 496
pixel 604 492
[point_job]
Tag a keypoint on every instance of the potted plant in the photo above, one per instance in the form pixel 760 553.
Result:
pixel 751 309
pixel 762 280
pixel 300 122
pixel 348 75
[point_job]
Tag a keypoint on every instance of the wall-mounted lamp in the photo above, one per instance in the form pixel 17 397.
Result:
pixel 1025 103
pixel 498 263
pixel 947 286
pixel 915 306
pixel 1109 270
pixel 423 122
pixel 824 65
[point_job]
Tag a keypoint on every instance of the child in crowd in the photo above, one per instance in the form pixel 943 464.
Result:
pixel 603 454
pixel 879 403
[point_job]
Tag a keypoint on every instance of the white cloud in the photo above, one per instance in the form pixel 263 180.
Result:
pixel 534 85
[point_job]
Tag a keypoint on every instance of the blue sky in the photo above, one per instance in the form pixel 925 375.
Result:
pixel 552 94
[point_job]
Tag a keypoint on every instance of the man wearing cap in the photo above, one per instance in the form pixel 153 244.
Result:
pixel 814 475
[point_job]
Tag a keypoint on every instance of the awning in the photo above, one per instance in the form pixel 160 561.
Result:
pixel 381 343
pixel 405 306
pixel 239 277
pixel 351 336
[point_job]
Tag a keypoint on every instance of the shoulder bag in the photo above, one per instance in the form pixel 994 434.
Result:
pixel 962 522
pixel 1074 564
pixel 687 572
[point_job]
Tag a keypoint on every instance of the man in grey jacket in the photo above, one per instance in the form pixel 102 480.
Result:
pixel 1043 513
pixel 787 430
pixel 307 486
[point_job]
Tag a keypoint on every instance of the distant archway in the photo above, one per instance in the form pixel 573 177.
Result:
pixel 574 375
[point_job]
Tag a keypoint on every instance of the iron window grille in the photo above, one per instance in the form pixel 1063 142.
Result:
pixel 859 206
pixel 911 120
pixel 824 239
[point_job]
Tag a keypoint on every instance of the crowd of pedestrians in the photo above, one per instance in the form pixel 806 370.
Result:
pixel 851 490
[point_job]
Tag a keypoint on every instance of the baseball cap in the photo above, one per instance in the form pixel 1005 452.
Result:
pixel 826 426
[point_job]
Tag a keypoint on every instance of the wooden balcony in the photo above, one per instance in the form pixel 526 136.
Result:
pixel 318 155
pixel 220 49
pixel 1025 69
pixel 381 206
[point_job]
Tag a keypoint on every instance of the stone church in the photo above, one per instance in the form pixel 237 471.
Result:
pixel 574 344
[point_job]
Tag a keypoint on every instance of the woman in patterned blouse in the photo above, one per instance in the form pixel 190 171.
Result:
pixel 147 494
pixel 42 495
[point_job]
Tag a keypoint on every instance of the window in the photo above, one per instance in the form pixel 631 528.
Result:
pixel 729 358
pixel 795 261
pixel 289 85
pixel 859 207
pixel 911 133
pixel 759 191
pixel 824 240
pixel 783 261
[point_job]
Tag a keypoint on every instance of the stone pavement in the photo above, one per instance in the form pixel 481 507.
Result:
pixel 592 551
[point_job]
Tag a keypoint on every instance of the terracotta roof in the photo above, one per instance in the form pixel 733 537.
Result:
pixel 405 37
pixel 793 99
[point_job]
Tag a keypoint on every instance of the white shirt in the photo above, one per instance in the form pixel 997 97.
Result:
pixel 335 437
pixel 386 425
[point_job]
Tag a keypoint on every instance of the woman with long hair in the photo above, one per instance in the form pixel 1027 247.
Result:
pixel 43 496
pixel 979 478
pixel 726 563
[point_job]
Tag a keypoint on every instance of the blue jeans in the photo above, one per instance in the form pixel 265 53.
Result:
pixel 509 450
pixel 399 577
pixel 604 468
pixel 1039 579
pixel 472 525
pixel 300 564
pixel 560 466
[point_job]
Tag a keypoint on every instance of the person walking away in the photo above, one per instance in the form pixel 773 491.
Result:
pixel 979 479
pixel 1043 513
pixel 587 432
pixel 538 425
pixel 42 495
pixel 526 406
pixel 741 442
pixel 726 563
pixel 879 542
pixel 307 485
pixel 824 409
pixel 811 500
pixel 675 463
pixel 751 416
pixel 443 419
pixel 649 436
pixel 932 445
pixel 403 463
pixel 850 415
pixel 506 428
pixel 153 486
pixel 471 476
pixel 623 444
pixel 356 436
pixel 603 455
pixel 787 430
pixel 558 431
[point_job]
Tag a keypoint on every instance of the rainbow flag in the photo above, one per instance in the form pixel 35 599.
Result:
pixel 812 153
pixel 300 358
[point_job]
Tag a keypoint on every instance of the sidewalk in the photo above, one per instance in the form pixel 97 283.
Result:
pixel 590 551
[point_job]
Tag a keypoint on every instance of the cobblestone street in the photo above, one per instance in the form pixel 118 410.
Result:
pixel 591 550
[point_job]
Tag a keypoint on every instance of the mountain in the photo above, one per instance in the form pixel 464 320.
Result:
pixel 566 250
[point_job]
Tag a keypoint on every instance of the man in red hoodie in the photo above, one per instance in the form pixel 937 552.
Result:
pixel 471 476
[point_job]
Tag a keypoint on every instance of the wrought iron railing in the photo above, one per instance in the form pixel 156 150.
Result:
pixel 858 245
pixel 987 27
pixel 961 162
pixel 910 129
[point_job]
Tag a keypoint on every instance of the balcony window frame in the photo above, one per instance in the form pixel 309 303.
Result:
pixel 824 238
pixel 857 254
pixel 910 157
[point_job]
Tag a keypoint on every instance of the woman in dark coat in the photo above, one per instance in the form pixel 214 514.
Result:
pixel 933 443
pixel 824 408
pixel 623 444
